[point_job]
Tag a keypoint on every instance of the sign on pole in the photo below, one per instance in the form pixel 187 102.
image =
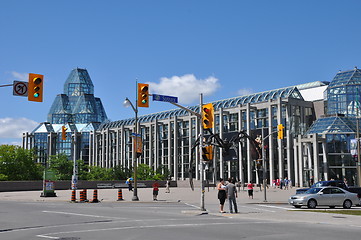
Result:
pixel 20 89
pixel 164 98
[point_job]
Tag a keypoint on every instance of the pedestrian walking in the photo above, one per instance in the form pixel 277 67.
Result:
pixel 129 182
pixel 222 194
pixel 155 190
pixel 250 190
pixel 286 183
pixel 232 195
pixel 167 185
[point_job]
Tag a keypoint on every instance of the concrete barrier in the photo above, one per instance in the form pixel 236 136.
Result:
pixel 9 186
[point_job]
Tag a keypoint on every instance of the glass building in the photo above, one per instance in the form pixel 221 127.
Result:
pixel 321 120
pixel 168 136
pixel 78 110
pixel 335 130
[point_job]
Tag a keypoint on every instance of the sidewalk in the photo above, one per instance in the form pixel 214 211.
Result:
pixel 193 198
pixel 145 195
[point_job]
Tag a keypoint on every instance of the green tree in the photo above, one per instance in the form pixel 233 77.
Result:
pixel 144 172
pixel 121 173
pixel 18 164
pixel 62 166
pixel 99 173
pixel 162 172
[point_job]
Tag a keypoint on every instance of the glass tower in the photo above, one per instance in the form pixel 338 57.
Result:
pixel 77 104
pixel 77 109
pixel 339 126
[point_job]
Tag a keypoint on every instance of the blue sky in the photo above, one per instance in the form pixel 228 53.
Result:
pixel 181 47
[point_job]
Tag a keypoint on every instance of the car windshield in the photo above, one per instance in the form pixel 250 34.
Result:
pixel 312 190
pixel 320 184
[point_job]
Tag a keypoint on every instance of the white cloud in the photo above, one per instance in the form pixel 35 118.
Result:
pixel 20 76
pixel 187 87
pixel 15 127
pixel 245 91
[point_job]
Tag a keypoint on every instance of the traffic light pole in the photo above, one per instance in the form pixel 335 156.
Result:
pixel 201 168
pixel 127 103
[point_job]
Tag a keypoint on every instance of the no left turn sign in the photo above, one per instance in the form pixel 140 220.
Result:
pixel 20 89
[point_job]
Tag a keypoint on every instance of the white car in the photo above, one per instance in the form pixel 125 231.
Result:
pixel 325 196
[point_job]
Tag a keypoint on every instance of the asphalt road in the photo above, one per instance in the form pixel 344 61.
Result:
pixel 167 220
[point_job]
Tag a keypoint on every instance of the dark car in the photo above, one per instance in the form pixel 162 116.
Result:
pixel 333 183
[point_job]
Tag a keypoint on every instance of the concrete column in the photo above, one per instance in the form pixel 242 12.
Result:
pixel 122 146
pixel 288 141
pixel 280 141
pixel 221 162
pixel 151 155
pixel 325 160
pixel 103 149
pixel 96 148
pixel 270 145
pixel 156 145
pixel 170 159
pixel 240 155
pixel 316 172
pixel 295 180
pixel 249 155
pixel 117 147
pixel 300 161
pixel 175 148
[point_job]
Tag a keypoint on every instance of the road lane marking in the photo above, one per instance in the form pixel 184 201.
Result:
pixel 270 206
pixel 259 209
pixel 145 227
pixel 83 215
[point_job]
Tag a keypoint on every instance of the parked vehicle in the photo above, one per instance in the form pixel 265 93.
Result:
pixel 325 196
pixel 334 183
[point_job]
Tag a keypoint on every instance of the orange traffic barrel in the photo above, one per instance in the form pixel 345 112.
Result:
pixel 120 195
pixel 85 195
pixel 95 196
pixel 82 197
pixel 73 196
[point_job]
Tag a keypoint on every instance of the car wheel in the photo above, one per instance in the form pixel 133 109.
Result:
pixel 312 203
pixel 347 204
pixel 296 206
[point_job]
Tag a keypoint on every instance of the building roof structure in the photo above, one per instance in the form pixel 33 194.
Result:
pixel 287 92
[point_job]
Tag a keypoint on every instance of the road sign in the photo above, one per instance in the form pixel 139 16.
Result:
pixel 20 89
pixel 164 98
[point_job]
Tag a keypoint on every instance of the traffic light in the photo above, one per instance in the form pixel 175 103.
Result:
pixel 35 87
pixel 143 95
pixel 280 128
pixel 207 115
pixel 63 132
pixel 207 153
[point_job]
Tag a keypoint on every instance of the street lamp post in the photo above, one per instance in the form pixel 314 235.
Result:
pixel 128 103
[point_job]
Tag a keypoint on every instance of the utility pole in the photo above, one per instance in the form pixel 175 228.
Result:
pixel 201 168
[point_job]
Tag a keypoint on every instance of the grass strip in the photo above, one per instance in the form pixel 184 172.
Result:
pixel 346 212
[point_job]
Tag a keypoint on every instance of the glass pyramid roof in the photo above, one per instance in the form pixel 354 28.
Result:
pixel 352 77
pixel 77 104
pixel 334 124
